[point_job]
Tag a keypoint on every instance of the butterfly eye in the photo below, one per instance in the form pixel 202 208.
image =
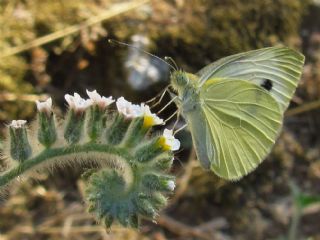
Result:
pixel 179 79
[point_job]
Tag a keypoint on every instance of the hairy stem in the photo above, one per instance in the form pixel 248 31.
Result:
pixel 53 154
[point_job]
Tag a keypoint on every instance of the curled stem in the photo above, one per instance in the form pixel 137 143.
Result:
pixel 51 154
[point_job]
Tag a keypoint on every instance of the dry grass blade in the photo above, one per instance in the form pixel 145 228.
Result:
pixel 116 10
pixel 184 230
pixel 9 97
pixel 304 108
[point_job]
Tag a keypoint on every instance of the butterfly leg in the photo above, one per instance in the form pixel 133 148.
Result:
pixel 180 129
pixel 161 95
pixel 167 105
pixel 172 115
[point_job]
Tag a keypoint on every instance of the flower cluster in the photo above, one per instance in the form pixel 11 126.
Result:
pixel 127 109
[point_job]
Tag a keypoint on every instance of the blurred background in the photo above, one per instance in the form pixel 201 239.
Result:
pixel 50 48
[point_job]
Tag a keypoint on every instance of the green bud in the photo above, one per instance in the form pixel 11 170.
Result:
pixel 118 129
pixel 123 215
pixel 47 134
pixel 158 200
pixel 74 128
pixel 20 148
pixel 145 208
pixel 108 220
pixel 163 163
pixel 159 182
pixel 149 151
pixel 96 122
pixel 133 220
pixel 136 132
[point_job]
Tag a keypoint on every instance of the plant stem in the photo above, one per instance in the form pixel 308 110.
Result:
pixel 52 154
pixel 294 222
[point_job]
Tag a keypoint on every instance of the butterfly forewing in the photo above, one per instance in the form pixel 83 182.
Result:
pixel 279 66
pixel 243 121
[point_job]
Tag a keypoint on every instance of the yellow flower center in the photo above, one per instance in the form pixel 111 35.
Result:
pixel 162 143
pixel 148 121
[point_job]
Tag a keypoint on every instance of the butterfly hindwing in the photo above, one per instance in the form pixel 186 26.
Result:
pixel 243 121
pixel 277 69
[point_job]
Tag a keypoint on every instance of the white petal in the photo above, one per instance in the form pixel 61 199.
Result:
pixel 175 145
pixel 171 185
pixel 107 100
pixel 136 110
pixel 170 140
pixel 167 133
pixel 17 123
pixel 44 106
pixel 77 103
pixel 128 109
pixel 94 96
pixel 147 112
pixel 69 100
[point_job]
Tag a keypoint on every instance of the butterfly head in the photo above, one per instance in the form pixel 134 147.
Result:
pixel 179 80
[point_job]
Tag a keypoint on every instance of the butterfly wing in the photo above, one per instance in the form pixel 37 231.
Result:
pixel 241 121
pixel 280 65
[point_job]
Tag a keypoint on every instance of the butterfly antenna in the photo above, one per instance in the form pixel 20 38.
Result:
pixel 167 59
pixel 177 120
pixel 112 41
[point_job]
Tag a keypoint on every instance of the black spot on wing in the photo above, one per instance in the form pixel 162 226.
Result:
pixel 267 84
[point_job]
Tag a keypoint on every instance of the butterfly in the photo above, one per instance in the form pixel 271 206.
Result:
pixel 234 107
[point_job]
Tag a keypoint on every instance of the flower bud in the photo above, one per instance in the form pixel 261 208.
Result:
pixel 75 122
pixel 47 134
pixel 97 114
pixel 127 112
pixel 141 125
pixel 77 103
pixel 159 182
pixel 149 151
pixel 20 148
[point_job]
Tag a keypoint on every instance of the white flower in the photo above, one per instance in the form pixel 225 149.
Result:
pixel 169 142
pixel 128 109
pixel 171 185
pixel 45 106
pixel 96 98
pixel 77 103
pixel 18 123
pixel 150 119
